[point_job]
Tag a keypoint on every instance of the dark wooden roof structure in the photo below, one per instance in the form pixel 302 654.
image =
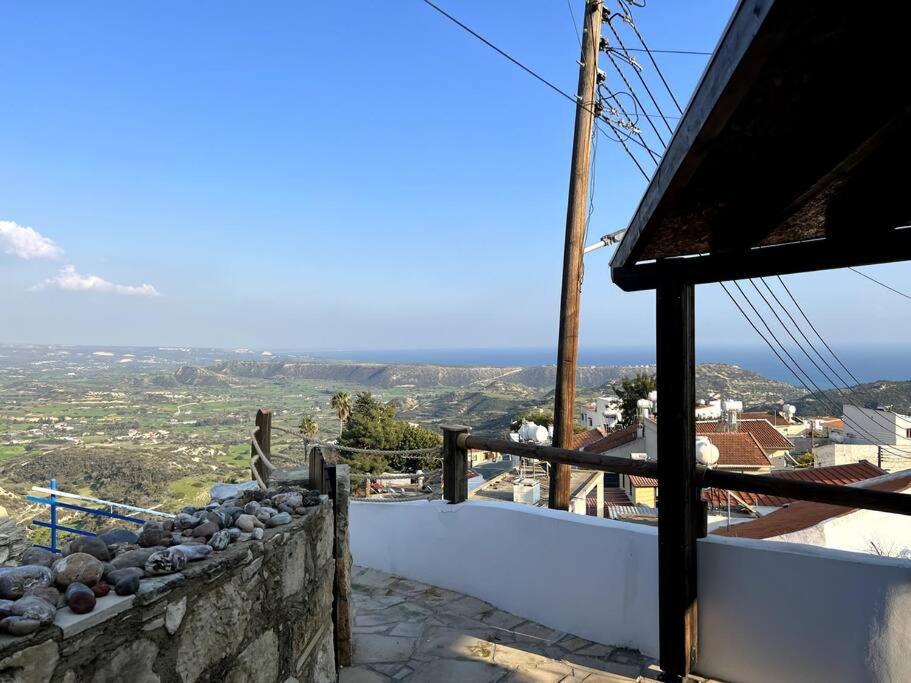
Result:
pixel 791 156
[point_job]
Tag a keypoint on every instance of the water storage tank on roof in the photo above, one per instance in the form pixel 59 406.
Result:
pixel 529 431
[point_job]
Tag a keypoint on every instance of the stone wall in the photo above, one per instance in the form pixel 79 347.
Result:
pixel 260 611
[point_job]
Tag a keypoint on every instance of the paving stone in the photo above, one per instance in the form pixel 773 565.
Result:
pixel 624 655
pixel 409 587
pixel 448 642
pixel 387 669
pixel 391 615
pixel 573 643
pixel 457 671
pixel 406 630
pixel 409 629
pixel 502 619
pixel 468 606
pixel 371 629
pixel 530 674
pixel 360 674
pixel 607 678
pixel 370 578
pixel 532 631
pixel 370 648
pixel 371 603
pixel 511 657
pixel 600 666
pixel 436 596
pixel 652 672
pixel 595 650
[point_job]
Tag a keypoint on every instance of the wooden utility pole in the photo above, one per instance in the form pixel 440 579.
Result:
pixel 576 214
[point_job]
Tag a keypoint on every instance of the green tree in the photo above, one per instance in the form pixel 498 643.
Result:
pixel 372 425
pixel 805 460
pixel 539 416
pixel 341 404
pixel 308 426
pixel 629 391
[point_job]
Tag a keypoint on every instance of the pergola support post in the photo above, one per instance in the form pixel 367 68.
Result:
pixel 679 506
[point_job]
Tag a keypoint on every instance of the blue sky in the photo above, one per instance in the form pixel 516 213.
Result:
pixel 319 175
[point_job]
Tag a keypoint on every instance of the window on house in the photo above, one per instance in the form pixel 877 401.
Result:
pixel 908 433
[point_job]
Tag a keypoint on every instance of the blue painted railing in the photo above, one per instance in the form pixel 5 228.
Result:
pixel 54 504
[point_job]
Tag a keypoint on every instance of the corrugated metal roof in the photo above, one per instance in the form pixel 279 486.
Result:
pixel 621 511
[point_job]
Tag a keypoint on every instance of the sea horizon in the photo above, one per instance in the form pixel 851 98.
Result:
pixel 867 363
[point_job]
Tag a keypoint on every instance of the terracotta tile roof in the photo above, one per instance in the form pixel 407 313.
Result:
pixel 803 514
pixel 613 440
pixel 584 438
pixel 642 482
pixel 739 449
pixel 836 474
pixel 767 436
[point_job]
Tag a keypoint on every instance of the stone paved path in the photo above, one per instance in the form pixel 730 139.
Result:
pixel 410 631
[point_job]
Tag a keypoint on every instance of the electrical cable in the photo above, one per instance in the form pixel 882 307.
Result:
pixel 629 20
pixel 648 90
pixel 804 384
pixel 533 74
pixel 881 284
pixel 843 396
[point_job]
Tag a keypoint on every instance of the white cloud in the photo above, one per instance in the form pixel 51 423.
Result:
pixel 70 280
pixel 27 243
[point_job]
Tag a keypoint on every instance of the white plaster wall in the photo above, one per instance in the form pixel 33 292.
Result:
pixel 786 612
pixel 509 555
pixel 858 531
pixel 767 611
pixel 845 454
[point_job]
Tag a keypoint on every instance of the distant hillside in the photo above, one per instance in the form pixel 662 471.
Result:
pixel 730 381
pixel 364 374
pixel 895 395
pixel 488 413
pixel 417 375
pixel 725 381
pixel 187 375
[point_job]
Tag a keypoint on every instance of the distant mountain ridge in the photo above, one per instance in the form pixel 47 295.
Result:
pixel 418 375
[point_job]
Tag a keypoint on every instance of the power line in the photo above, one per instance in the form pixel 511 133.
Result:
pixel 881 284
pixel 503 53
pixel 816 394
pixel 857 382
pixel 843 396
pixel 572 15
pixel 815 331
pixel 639 76
pixel 628 18
pixel 531 72
pixel 668 52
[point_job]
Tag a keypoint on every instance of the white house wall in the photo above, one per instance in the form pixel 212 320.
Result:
pixel 767 611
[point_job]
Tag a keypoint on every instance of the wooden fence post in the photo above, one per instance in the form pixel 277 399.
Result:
pixel 455 464
pixel 263 437
pixel 319 476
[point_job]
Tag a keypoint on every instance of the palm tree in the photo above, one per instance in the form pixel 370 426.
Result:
pixel 341 404
pixel 308 427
